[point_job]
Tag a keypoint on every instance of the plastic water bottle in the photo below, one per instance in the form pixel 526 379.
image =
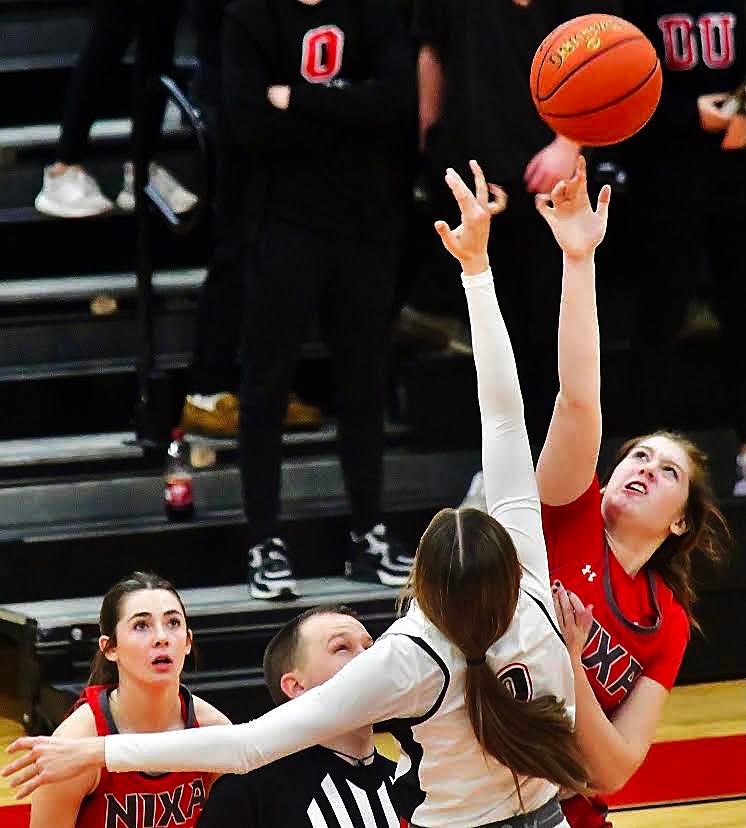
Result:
pixel 177 495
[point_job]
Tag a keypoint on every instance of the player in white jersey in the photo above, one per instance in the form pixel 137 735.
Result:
pixel 474 674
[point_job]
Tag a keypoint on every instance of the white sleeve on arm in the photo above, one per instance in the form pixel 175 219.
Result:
pixel 390 680
pixel 509 479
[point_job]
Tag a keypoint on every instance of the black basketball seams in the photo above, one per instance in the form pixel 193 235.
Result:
pixel 590 59
pixel 611 102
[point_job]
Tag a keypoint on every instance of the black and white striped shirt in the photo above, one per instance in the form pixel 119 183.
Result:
pixel 314 788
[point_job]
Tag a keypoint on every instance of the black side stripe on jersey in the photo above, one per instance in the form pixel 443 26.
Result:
pixel 540 605
pixel 408 793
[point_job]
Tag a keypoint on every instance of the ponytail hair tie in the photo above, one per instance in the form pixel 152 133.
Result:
pixel 476 662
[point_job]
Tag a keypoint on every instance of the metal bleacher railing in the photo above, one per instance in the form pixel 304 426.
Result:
pixel 151 422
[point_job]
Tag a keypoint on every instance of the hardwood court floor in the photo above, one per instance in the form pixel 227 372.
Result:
pixel 705 711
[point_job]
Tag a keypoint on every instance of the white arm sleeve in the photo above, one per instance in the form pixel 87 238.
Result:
pixel 393 679
pixel 509 479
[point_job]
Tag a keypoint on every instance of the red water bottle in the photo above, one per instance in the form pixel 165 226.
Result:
pixel 177 495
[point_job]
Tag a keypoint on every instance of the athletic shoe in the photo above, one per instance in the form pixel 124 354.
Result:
pixel 739 490
pixel 270 573
pixel 475 497
pixel 178 198
pixel 215 415
pixel 71 194
pixel 376 557
pixel 301 414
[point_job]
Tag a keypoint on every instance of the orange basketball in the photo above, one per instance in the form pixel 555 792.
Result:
pixel 596 79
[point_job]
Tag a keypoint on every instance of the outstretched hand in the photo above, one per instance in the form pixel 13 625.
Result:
pixel 468 242
pixel 51 759
pixel 567 210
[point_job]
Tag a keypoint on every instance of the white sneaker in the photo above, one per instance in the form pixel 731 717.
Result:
pixel 475 497
pixel 178 198
pixel 739 490
pixel 71 194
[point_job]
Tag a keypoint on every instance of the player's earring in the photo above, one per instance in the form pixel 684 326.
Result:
pixel 679 528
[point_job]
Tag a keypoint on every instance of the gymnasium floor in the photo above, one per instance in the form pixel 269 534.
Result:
pixel 694 776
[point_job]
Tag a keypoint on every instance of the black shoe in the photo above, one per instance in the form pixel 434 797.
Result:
pixel 270 573
pixel 376 557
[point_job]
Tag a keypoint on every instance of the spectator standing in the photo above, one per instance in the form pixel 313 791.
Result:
pixel 318 94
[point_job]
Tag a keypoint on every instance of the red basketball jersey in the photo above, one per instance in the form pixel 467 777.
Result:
pixel 138 800
pixel 639 628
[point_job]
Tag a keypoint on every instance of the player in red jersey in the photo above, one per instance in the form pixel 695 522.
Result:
pixel 133 688
pixel 624 550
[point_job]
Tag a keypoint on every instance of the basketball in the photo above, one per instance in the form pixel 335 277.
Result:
pixel 596 79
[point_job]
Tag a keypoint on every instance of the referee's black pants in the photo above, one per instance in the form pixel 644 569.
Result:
pixel 293 274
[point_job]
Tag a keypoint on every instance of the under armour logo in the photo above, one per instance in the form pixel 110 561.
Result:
pixel 588 572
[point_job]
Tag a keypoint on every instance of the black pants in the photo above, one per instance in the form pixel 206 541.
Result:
pixel 291 274
pixel 527 266
pixel 683 214
pixel 114 26
pixel 217 331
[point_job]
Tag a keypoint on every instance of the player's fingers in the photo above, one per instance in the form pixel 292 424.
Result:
pixel 580 168
pixel 567 610
pixel 576 603
pixel 24 776
pixel 480 183
pixel 560 191
pixel 23 743
pixel 543 203
pixel 447 236
pixel 20 763
pixel 499 201
pixel 461 192
pixel 558 611
pixel 29 787
pixel 604 197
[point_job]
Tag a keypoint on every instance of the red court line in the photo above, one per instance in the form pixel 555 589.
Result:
pixel 689 769
pixel 15 816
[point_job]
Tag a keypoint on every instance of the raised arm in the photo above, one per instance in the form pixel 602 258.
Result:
pixel 390 680
pixel 568 459
pixel 510 485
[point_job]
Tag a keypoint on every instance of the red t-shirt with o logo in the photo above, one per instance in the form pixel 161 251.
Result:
pixel 639 628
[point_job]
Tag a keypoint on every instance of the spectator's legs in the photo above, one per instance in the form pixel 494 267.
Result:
pixel 113 27
pixel 219 321
pixel 159 43
pixel 356 318
pixel 283 274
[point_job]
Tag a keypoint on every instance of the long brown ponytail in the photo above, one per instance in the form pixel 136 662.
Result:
pixel 466 580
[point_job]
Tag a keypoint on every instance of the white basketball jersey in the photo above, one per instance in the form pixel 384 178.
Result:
pixel 442 763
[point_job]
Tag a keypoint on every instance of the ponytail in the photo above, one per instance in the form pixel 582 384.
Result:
pixel 466 579
pixel 531 738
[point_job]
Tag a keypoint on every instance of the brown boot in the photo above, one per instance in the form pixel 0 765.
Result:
pixel 214 416
pixel 301 415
